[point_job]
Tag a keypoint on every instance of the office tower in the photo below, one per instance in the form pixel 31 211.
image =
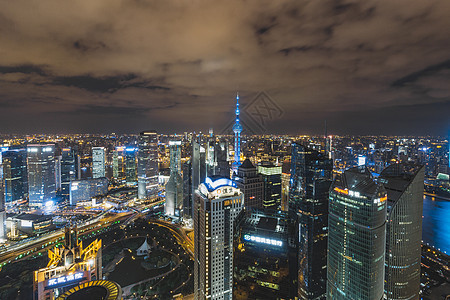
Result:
pixel 115 164
pixel 329 146
pixel 130 165
pixel 310 180
pixel 271 176
pixel 174 187
pixel 147 164
pixel 187 186
pixel 404 186
pixel 237 129
pixel 68 171
pixel 217 203
pixel 58 172
pixel 285 178
pixel 41 174
pixel 198 164
pixel 217 158
pixel 15 176
pixel 262 256
pixel 2 204
pixel 357 236
pixel 250 183
pixel 98 162
pixel 84 190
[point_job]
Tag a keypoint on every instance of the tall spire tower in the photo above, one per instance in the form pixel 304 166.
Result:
pixel 237 128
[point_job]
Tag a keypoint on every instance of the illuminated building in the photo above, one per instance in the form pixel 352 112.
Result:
pixel 29 224
pixel 263 253
pixel 2 205
pixel 308 204
pixel 98 162
pixel 130 165
pixel 271 176
pixel 198 164
pixel 41 174
pixel 285 178
pixel 118 161
pixel 84 190
pixel 217 203
pixel 250 183
pixel 187 185
pixel 404 186
pixel 357 236
pixel 15 176
pixel 237 129
pixel 97 289
pixel 147 171
pixel 69 170
pixel 68 266
pixel 174 187
pixel 217 158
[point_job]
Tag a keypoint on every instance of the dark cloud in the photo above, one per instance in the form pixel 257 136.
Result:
pixel 176 65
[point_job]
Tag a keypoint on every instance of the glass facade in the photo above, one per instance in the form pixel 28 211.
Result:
pixel 262 254
pixel 41 174
pixel 271 175
pixel 251 184
pixel 310 180
pixel 357 236
pixel 147 170
pixel 15 175
pixel 130 165
pixel 404 185
pixel 68 171
pixel 98 162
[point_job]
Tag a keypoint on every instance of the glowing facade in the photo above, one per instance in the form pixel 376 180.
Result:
pixel 98 162
pixel 237 129
pixel 147 170
pixel 41 174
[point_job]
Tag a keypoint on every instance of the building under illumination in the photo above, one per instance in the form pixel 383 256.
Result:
pixel 15 176
pixel 271 176
pixel 250 183
pixel 84 190
pixel 357 236
pixel 2 205
pixel 68 266
pixel 147 170
pixel 130 165
pixel 404 186
pixel 98 162
pixel 174 187
pixel 41 174
pixel 218 202
pixel 263 255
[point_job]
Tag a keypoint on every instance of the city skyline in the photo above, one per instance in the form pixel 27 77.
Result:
pixel 124 67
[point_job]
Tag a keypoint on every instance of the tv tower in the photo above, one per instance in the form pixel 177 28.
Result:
pixel 237 128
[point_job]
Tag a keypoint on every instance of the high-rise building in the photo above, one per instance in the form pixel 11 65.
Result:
pixel 217 158
pixel 174 187
pixel 271 176
pixel 310 181
pixel 147 164
pixel 217 204
pixel 404 184
pixel 98 162
pixel 84 190
pixel 187 187
pixel 237 129
pixel 250 183
pixel 198 164
pixel 130 165
pixel 68 170
pixel 357 236
pixel 262 256
pixel 41 174
pixel 15 176
pixel 2 204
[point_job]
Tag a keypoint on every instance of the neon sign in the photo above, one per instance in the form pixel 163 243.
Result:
pixel 262 240
pixel 65 279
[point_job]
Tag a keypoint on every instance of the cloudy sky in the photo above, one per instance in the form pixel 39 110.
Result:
pixel 367 67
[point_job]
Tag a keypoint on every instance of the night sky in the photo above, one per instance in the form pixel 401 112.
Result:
pixel 367 67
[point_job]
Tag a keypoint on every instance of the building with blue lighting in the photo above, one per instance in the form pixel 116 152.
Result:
pixel 98 162
pixel 15 176
pixel 147 170
pixel 69 170
pixel 263 255
pixel 41 174
pixel 174 188
pixel 237 129
pixel 357 236
pixel 130 165
pixel 217 204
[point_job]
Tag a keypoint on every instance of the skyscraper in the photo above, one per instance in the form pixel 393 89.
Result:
pixel 68 170
pixel 98 162
pixel 147 164
pixel 357 236
pixel 41 173
pixel 271 176
pixel 198 164
pixel 130 165
pixel 250 183
pixel 2 204
pixel 237 129
pixel 404 185
pixel 187 186
pixel 217 158
pixel 15 175
pixel 262 256
pixel 310 181
pixel 217 203
pixel 174 187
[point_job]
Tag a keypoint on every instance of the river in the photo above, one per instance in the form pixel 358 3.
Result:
pixel 436 223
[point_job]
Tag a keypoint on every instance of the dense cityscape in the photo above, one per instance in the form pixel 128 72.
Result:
pixel 201 216
pixel 219 150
